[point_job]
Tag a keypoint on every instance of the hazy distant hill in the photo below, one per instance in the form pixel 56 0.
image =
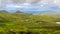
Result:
pixel 4 11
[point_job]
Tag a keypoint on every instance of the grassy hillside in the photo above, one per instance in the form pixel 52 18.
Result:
pixel 22 23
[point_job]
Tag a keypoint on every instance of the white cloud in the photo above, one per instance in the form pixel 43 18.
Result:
pixel 14 6
pixel 29 4
pixel 23 5
pixel 26 4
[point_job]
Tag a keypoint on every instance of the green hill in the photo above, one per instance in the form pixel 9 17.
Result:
pixel 18 22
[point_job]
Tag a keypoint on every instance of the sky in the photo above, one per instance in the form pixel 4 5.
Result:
pixel 30 5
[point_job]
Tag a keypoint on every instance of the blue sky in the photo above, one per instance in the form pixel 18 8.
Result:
pixel 30 5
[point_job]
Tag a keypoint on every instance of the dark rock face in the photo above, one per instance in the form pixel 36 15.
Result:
pixel 21 32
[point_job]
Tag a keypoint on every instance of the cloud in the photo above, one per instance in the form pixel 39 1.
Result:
pixel 14 6
pixel 23 5
pixel 30 4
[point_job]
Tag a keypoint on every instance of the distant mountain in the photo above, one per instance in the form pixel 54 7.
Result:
pixel 18 12
pixel 4 11
pixel 41 12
